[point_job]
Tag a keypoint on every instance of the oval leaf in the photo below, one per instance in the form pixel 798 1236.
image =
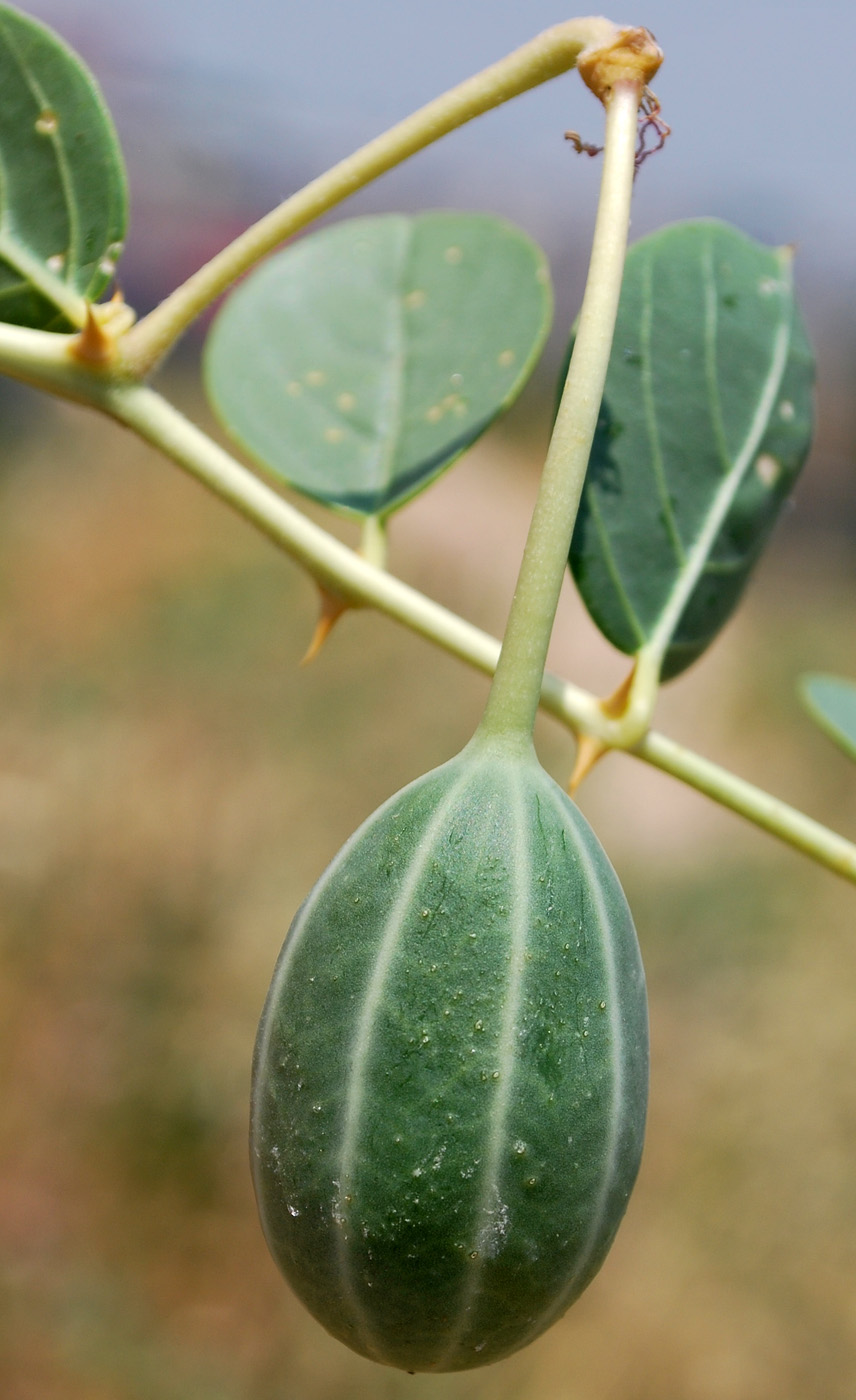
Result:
pixel 831 702
pixel 63 200
pixel 706 421
pixel 359 363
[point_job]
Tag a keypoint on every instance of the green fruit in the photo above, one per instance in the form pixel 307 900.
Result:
pixel 451 1070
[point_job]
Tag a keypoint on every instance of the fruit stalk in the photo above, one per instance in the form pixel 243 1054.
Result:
pixel 515 693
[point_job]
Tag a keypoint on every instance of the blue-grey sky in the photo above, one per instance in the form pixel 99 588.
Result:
pixel 237 96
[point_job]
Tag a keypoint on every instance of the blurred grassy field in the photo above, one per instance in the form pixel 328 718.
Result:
pixel 171 783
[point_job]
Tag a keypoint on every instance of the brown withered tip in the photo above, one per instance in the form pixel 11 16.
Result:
pixel 634 56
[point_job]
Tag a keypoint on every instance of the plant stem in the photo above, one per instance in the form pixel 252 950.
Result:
pixel 40 357
pixel 544 57
pixel 373 540
pixel 514 697
pixel 344 572
pixel 814 840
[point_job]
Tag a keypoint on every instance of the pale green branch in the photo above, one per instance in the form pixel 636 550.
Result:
pixel 514 697
pixel 549 54
pixel 790 825
pixel 344 572
pixel 53 362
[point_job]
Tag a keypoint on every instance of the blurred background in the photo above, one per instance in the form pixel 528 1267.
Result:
pixel 171 783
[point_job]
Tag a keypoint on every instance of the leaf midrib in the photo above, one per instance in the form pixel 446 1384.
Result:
pixel 32 268
pixel 723 499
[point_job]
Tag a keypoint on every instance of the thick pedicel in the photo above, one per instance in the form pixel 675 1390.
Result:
pixel 451 1070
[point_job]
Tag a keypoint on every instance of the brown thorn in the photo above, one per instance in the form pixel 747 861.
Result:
pixel 105 323
pixel 93 345
pixel 589 752
pixel 615 704
pixel 590 749
pixel 331 610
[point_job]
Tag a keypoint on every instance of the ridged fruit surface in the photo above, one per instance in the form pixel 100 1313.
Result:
pixel 451 1070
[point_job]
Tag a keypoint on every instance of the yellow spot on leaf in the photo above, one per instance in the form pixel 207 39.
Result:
pixel 294 388
pixel 333 434
pixel 346 402
pixel 415 299
pixel 454 254
pixel 505 358
pixel 47 122
pixel 787 412
pixel 768 469
pixel 435 413
pixel 315 378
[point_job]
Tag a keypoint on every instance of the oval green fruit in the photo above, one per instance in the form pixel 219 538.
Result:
pixel 451 1070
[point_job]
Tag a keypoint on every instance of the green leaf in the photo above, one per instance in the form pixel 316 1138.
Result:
pixel 705 423
pixel 831 702
pixel 361 362
pixel 63 200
